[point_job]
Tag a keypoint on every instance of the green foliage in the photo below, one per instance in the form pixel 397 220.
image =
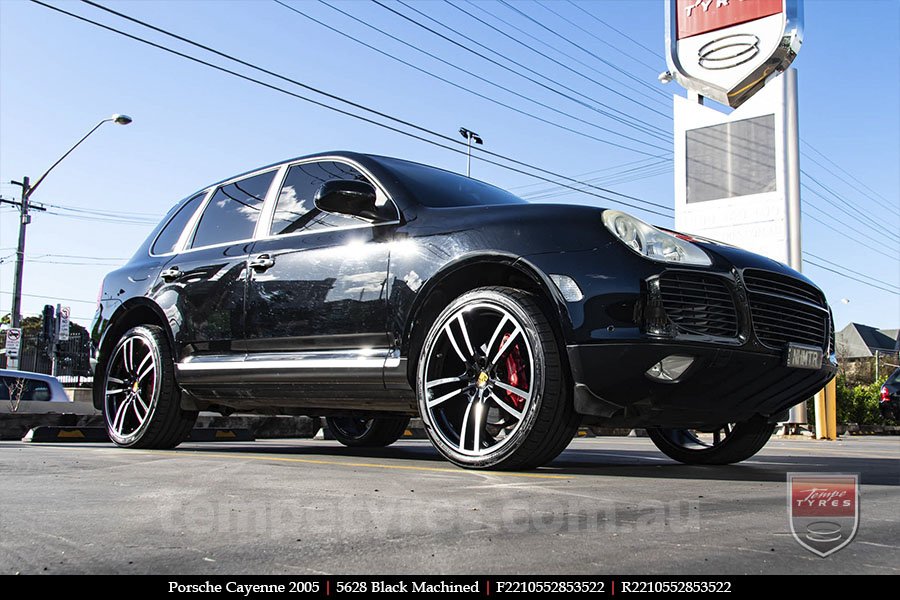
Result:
pixel 859 403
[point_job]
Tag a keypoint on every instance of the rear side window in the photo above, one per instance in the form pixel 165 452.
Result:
pixel 233 211
pixel 168 237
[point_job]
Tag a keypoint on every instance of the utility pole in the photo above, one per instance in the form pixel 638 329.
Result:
pixel 24 220
pixel 25 217
pixel 470 136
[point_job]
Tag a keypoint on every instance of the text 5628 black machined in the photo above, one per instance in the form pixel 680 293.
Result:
pixel 369 290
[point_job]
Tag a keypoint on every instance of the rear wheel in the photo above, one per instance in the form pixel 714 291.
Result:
pixel 491 384
pixel 142 402
pixel 358 432
pixel 723 445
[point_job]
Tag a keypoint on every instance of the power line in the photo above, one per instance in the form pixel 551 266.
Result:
pixel 846 212
pixel 844 233
pixel 543 54
pixel 851 176
pixel 41 297
pixel 455 148
pixel 499 64
pixel 470 74
pixel 846 276
pixel 579 46
pixel 838 266
pixel 592 172
pixel 623 34
pixel 859 216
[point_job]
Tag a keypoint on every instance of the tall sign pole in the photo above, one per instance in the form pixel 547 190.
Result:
pixel 737 174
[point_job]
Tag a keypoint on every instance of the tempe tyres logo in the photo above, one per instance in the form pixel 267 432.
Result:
pixel 823 510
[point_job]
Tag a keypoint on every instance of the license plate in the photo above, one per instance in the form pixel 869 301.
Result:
pixel 804 357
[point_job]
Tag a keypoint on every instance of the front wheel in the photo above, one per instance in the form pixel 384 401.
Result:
pixel 142 401
pixel 491 383
pixel 359 432
pixel 723 445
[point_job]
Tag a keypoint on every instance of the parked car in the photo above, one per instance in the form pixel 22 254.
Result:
pixel 889 402
pixel 25 386
pixel 370 289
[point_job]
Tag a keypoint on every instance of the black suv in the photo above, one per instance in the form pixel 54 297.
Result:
pixel 369 289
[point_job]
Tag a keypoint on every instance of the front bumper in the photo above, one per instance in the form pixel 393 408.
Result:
pixel 723 385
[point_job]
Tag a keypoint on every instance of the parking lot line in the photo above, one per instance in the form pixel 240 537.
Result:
pixel 356 465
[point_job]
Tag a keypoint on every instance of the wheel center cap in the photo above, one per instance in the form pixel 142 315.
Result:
pixel 135 386
pixel 482 379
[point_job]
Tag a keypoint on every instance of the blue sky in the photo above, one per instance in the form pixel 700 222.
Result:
pixel 193 126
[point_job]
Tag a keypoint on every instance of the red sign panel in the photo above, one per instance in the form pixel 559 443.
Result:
pixel 831 497
pixel 702 16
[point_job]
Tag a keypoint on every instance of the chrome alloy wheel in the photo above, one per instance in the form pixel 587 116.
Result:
pixel 479 378
pixel 131 387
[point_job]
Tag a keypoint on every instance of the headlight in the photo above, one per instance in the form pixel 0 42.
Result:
pixel 652 243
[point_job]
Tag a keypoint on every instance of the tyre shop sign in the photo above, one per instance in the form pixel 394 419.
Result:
pixel 728 49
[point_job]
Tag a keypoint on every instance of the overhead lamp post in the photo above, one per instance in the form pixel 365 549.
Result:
pixel 470 136
pixel 25 218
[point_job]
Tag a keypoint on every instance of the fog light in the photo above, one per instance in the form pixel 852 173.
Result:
pixel 670 368
pixel 568 288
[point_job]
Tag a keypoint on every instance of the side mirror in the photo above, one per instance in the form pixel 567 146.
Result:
pixel 348 197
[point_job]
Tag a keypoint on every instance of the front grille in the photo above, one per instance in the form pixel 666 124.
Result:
pixel 785 310
pixel 698 304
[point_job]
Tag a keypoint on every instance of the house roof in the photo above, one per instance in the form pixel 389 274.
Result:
pixel 857 340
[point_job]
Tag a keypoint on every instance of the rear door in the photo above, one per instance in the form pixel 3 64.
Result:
pixel 203 287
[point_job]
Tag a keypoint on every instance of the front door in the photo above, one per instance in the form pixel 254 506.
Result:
pixel 318 282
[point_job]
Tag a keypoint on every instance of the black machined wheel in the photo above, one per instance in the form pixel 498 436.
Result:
pixel 723 445
pixel 359 432
pixel 491 386
pixel 142 402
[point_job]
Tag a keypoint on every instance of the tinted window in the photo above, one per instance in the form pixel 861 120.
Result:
pixel 894 378
pixel 233 210
pixel 168 237
pixel 296 208
pixel 439 188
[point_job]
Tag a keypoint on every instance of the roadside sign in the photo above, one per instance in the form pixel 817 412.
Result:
pixel 13 343
pixel 63 321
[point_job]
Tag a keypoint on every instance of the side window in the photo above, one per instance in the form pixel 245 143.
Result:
pixel 233 211
pixel 168 237
pixel 296 209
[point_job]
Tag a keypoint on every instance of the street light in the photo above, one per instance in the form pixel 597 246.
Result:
pixel 470 136
pixel 25 218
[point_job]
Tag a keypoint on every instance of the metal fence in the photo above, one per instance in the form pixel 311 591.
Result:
pixel 72 358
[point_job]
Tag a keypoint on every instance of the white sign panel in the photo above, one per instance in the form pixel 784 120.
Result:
pixel 63 334
pixel 731 174
pixel 13 342
pixel 727 50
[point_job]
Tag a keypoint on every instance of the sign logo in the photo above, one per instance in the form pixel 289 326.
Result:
pixel 728 49
pixel 823 510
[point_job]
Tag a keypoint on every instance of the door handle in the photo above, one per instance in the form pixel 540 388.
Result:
pixel 171 274
pixel 262 262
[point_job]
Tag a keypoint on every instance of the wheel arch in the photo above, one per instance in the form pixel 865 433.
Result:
pixel 475 271
pixel 133 312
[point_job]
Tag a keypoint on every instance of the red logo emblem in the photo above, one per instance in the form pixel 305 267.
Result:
pixel 823 510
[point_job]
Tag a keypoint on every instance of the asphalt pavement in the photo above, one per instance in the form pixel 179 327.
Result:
pixel 608 505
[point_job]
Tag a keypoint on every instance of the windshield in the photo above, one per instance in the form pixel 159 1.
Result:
pixel 895 377
pixel 440 189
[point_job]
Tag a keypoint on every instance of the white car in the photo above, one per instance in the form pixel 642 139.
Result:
pixel 36 387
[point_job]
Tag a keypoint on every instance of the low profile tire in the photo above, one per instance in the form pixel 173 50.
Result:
pixel 357 432
pixel 142 402
pixel 729 444
pixel 491 383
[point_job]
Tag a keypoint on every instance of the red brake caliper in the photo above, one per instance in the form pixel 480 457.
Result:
pixel 515 372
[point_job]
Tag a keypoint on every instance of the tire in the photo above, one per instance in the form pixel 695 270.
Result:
pixel 367 433
pixel 486 345
pixel 742 440
pixel 142 401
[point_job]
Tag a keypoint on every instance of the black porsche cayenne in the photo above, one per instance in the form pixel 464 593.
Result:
pixel 369 290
